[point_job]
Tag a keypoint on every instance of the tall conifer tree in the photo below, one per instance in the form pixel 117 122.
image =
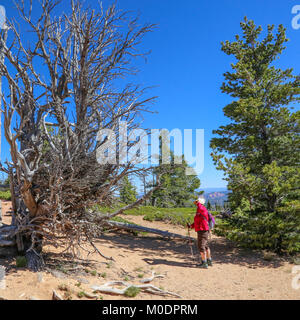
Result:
pixel 259 149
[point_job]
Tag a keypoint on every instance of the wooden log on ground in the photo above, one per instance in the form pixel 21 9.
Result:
pixel 149 288
pixel 133 227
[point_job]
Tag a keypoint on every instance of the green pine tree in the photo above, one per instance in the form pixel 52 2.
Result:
pixel 261 142
pixel 177 188
pixel 208 205
pixel 128 193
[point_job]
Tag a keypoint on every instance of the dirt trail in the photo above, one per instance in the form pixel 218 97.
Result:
pixel 236 274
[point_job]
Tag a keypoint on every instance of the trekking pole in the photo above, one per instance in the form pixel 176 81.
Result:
pixel 190 243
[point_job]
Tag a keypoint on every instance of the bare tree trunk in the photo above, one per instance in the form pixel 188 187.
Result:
pixel 56 173
pixel 144 186
pixel 33 253
pixel 13 198
pixel 133 227
pixel 153 184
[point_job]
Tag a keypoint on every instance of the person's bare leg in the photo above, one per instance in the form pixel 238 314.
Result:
pixel 208 255
pixel 203 256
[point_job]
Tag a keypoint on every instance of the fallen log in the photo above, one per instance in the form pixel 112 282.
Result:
pixel 133 227
pixel 149 288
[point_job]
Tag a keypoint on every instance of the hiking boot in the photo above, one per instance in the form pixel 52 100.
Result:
pixel 209 262
pixel 203 265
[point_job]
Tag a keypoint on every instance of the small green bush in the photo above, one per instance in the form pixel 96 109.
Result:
pixel 21 262
pixel 81 294
pixel 132 292
pixel 5 195
pixel 277 231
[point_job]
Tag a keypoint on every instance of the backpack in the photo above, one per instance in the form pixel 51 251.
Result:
pixel 211 220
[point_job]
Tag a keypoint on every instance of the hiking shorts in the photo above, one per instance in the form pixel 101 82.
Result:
pixel 203 240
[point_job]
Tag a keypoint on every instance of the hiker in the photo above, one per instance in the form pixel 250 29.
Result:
pixel 202 228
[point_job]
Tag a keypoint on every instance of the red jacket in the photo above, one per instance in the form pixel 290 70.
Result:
pixel 200 224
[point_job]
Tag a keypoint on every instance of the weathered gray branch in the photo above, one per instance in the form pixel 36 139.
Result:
pixel 109 288
pixel 133 227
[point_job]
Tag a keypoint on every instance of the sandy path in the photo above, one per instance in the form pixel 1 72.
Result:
pixel 236 274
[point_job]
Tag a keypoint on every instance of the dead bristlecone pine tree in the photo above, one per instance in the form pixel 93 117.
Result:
pixel 63 87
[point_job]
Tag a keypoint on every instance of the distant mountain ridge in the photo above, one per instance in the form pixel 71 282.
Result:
pixel 216 195
pixel 218 189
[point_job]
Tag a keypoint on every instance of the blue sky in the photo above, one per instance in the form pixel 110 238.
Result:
pixel 186 63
